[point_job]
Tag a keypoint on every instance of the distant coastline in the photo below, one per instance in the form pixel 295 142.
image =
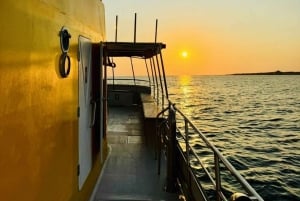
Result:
pixel 269 73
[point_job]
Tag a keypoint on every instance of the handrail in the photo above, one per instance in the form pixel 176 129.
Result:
pixel 127 80
pixel 218 159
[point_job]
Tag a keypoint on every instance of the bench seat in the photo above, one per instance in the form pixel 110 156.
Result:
pixel 150 112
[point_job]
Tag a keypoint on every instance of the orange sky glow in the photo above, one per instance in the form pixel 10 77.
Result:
pixel 218 36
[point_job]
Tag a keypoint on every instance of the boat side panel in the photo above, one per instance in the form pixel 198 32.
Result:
pixel 38 108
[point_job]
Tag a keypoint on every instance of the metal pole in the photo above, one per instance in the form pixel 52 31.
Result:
pixel 102 134
pixel 104 84
pixel 187 149
pixel 152 77
pixel 132 71
pixel 148 74
pixel 156 23
pixel 161 84
pixel 134 37
pixel 116 39
pixel 157 91
pixel 116 29
pixel 217 176
pixel 164 74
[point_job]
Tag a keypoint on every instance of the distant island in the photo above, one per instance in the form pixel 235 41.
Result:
pixel 269 73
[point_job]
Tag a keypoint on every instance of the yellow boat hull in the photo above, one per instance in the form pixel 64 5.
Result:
pixel 38 108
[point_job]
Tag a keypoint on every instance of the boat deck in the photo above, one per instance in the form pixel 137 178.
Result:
pixel 131 169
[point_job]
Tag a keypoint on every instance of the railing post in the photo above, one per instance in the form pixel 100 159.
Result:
pixel 186 128
pixel 164 74
pixel 153 78
pixel 160 81
pixel 156 82
pixel 171 152
pixel 217 177
pixel 133 74
pixel 149 80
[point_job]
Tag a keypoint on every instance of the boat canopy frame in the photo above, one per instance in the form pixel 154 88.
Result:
pixel 132 49
pixel 151 51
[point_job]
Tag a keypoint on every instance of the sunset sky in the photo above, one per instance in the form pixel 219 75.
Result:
pixel 213 37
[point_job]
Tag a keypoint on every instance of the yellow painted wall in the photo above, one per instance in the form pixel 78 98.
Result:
pixel 38 108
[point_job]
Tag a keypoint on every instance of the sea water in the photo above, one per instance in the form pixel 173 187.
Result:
pixel 254 120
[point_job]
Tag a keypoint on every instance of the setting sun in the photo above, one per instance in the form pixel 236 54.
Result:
pixel 184 54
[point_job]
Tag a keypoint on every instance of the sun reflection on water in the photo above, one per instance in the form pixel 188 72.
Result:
pixel 184 83
pixel 186 90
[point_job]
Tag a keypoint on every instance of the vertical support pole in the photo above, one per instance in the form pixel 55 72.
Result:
pixel 104 88
pixel 156 24
pixel 149 80
pixel 156 83
pixel 134 34
pixel 187 148
pixel 153 78
pixel 102 125
pixel 116 39
pixel 116 29
pixel 160 82
pixel 133 74
pixel 171 152
pixel 218 177
pixel 164 74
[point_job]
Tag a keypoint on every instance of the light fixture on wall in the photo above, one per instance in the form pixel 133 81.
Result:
pixel 64 60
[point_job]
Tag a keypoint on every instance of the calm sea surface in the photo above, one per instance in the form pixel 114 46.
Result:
pixel 254 121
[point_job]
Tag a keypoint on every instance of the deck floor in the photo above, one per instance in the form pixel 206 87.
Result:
pixel 131 169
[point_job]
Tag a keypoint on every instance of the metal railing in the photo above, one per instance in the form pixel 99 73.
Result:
pixel 128 81
pixel 217 166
